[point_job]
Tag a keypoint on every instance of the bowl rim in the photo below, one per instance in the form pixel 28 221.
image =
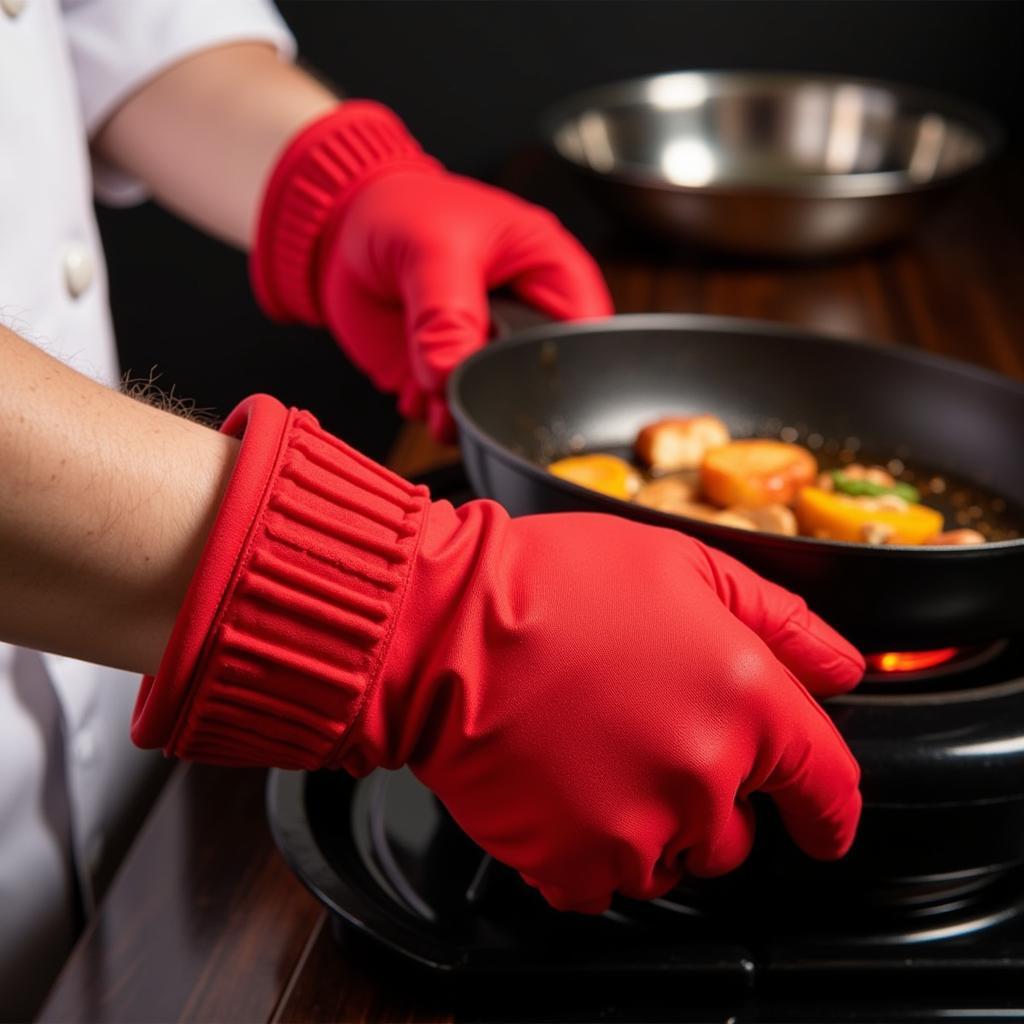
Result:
pixel 863 184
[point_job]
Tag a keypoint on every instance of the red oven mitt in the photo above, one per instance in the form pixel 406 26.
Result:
pixel 362 232
pixel 594 700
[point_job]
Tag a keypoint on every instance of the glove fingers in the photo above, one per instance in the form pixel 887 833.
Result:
pixel 439 421
pixel 727 850
pixel 548 268
pixel 815 780
pixel 357 316
pixel 412 403
pixel 446 314
pixel 563 899
pixel 814 652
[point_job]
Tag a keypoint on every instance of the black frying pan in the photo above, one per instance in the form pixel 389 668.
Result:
pixel 522 402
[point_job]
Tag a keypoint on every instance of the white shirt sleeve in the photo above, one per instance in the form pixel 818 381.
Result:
pixel 118 45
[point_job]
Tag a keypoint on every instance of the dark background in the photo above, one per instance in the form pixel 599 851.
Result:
pixel 470 79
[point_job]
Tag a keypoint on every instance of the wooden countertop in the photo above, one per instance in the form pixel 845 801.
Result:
pixel 204 922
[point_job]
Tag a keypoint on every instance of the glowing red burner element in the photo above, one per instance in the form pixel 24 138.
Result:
pixel 910 661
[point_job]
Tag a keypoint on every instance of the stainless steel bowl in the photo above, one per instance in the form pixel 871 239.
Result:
pixel 771 164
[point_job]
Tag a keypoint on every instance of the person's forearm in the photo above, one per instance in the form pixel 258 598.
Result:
pixel 104 510
pixel 204 134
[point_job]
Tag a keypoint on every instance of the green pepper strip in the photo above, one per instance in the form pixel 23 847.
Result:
pixel 867 489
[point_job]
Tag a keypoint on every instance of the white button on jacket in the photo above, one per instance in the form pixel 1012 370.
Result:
pixel 67 768
pixel 79 268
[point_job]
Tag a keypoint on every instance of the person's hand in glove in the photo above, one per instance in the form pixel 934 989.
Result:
pixel 594 700
pixel 363 233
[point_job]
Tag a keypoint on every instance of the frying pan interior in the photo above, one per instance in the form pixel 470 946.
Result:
pixel 561 388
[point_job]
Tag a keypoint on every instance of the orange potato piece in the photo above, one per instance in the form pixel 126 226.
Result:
pixel 841 517
pixel 599 472
pixel 679 442
pixel 756 473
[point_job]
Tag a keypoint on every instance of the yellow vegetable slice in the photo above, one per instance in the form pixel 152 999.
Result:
pixel 839 517
pixel 605 473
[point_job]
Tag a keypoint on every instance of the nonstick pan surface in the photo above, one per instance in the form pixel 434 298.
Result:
pixel 555 389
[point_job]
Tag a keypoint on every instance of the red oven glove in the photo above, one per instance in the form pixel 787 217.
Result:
pixel 362 232
pixel 594 700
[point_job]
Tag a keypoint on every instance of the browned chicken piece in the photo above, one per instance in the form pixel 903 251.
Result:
pixel 768 518
pixel 956 537
pixel 680 442
pixel 711 514
pixel 698 510
pixel 669 493
pixel 727 517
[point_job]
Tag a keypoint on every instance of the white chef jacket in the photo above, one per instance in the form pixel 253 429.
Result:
pixel 68 770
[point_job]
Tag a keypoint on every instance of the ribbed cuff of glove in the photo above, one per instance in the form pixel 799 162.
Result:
pixel 288 616
pixel 309 188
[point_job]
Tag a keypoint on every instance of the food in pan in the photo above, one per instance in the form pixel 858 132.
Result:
pixel 881 519
pixel 769 518
pixel 679 442
pixel 953 538
pixel 691 466
pixel 756 473
pixel 600 472
pixel 680 494
pixel 673 493
pixel 867 482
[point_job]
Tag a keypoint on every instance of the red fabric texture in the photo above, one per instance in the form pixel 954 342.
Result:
pixel 593 699
pixel 285 619
pixel 314 178
pixel 360 232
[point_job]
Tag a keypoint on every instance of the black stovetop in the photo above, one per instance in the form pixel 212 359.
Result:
pixel 400 878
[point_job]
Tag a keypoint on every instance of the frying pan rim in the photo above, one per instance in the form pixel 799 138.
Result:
pixel 705 322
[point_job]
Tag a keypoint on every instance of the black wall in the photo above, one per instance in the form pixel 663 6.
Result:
pixel 470 78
